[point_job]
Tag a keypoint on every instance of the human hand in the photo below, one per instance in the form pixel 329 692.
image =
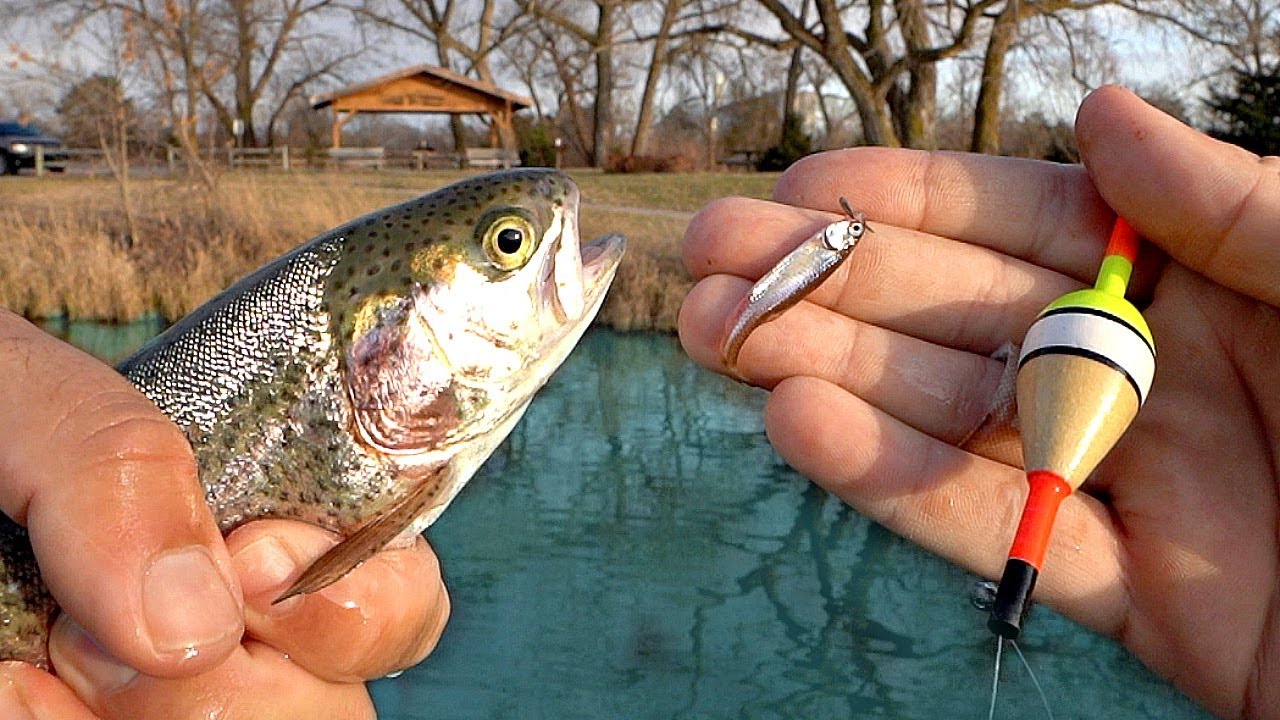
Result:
pixel 161 618
pixel 1173 546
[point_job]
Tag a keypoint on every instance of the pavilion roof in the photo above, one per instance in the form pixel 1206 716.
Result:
pixel 428 74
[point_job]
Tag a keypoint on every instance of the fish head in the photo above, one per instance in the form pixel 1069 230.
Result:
pixel 452 310
pixel 445 315
pixel 841 236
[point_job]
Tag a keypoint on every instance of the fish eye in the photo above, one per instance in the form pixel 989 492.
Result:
pixel 856 229
pixel 509 242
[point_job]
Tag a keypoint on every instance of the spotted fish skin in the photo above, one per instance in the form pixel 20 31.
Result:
pixel 357 382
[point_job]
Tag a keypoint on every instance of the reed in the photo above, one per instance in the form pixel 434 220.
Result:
pixel 64 249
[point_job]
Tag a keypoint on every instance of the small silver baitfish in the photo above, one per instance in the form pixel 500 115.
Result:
pixel 794 277
pixel 357 382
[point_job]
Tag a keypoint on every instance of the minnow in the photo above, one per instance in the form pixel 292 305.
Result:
pixel 794 277
pixel 357 382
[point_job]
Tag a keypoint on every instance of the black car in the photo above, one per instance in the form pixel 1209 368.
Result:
pixel 18 143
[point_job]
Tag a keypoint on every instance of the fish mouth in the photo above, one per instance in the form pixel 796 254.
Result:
pixel 577 276
pixel 600 259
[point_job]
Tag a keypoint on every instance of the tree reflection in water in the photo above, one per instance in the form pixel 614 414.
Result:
pixel 637 550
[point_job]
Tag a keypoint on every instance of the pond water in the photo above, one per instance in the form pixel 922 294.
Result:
pixel 637 550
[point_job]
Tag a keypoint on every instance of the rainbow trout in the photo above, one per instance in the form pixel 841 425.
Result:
pixel 358 382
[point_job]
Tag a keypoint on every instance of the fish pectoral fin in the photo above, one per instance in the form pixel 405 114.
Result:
pixel 369 539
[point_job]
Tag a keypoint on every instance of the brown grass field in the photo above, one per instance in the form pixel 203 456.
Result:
pixel 64 247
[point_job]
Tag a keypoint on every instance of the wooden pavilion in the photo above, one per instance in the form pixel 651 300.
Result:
pixel 426 89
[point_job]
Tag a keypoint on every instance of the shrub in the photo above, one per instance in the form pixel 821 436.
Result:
pixel 793 146
pixel 537 145
pixel 623 163
pixel 1249 114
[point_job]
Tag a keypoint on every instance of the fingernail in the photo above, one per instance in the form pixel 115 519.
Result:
pixel 187 604
pixel 265 567
pixel 84 663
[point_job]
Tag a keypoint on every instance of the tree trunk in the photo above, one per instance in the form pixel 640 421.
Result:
pixel 874 106
pixel 657 63
pixel 246 47
pixel 602 128
pixel 877 125
pixel 873 110
pixel 791 89
pixel 459 130
pixel 917 116
pixel 986 113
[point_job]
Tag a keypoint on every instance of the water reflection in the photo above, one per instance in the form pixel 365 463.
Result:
pixel 636 550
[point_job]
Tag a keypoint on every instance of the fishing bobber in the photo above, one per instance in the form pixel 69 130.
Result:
pixel 1085 369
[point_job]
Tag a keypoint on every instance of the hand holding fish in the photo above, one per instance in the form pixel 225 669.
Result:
pixel 880 375
pixel 108 489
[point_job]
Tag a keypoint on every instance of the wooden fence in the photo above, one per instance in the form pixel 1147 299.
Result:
pixel 93 161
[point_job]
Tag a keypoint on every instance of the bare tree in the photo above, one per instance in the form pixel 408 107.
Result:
pixel 671 28
pixel 658 59
pixel 249 42
pixel 557 69
pixel 464 35
pixel 98 110
pixel 224 57
pixel 597 25
pixel 1246 31
pixel 1003 35
pixel 887 65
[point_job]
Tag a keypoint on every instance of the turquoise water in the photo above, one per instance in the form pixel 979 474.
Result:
pixel 637 550
pixel 110 342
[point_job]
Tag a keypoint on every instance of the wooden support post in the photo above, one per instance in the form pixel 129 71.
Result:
pixel 341 118
pixel 502 122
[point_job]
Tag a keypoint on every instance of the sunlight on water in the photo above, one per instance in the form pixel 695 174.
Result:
pixel 636 550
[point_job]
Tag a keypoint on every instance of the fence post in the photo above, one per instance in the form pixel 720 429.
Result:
pixel 168 151
pixel 39 160
pixel 284 157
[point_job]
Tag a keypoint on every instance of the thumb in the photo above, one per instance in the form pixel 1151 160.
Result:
pixel 1212 206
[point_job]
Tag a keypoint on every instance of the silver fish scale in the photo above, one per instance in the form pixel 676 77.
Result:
pixel 239 340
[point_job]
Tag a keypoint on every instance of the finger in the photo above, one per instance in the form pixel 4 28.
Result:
pixel 30 694
pixel 1045 213
pixel 958 505
pixel 107 488
pixel 944 292
pixel 384 616
pixel 255 682
pixel 942 392
pixel 1227 205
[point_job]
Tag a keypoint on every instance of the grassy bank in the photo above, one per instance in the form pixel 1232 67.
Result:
pixel 65 249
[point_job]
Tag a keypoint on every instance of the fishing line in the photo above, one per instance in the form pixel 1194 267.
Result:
pixel 995 678
pixel 1034 681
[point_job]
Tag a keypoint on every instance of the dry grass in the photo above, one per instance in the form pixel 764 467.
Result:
pixel 64 249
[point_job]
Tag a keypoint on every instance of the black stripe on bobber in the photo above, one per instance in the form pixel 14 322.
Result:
pixel 1081 352
pixel 1084 310
pixel 1013 599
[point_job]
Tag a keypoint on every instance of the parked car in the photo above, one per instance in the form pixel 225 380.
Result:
pixel 18 143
